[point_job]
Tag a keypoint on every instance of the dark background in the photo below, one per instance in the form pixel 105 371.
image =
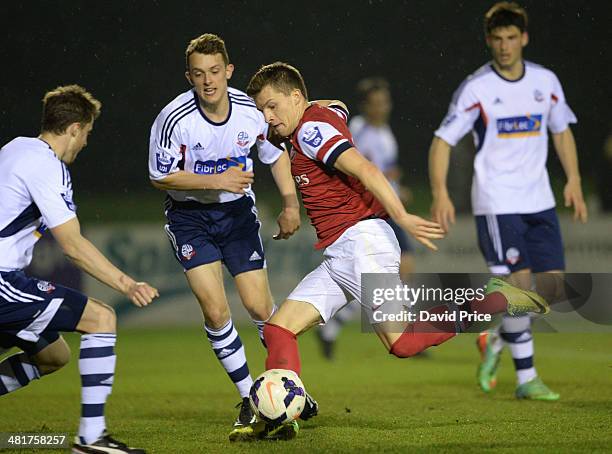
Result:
pixel 130 55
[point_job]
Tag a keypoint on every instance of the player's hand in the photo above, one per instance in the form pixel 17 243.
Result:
pixel 422 230
pixel 141 293
pixel 572 193
pixel 443 211
pixel 288 223
pixel 234 180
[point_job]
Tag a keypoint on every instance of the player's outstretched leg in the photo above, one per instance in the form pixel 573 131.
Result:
pixel 97 368
pixel 500 297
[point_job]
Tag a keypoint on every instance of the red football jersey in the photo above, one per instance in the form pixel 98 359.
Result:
pixel 333 200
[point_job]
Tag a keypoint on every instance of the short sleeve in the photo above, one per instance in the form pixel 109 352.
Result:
pixel 321 141
pixel 560 115
pixel 51 190
pixel 267 152
pixel 462 114
pixel 165 148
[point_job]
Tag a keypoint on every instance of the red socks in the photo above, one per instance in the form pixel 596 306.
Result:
pixel 493 303
pixel 282 348
pixel 420 335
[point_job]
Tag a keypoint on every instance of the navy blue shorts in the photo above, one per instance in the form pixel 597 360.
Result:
pixel 402 237
pixel 512 242
pixel 204 233
pixel 33 312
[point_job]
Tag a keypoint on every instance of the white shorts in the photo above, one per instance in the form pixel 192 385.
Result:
pixel 369 246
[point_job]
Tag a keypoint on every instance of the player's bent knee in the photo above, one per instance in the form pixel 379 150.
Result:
pixel 261 311
pixel 98 318
pixel 216 318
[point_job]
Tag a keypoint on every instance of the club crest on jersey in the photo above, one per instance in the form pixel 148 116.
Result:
pixel 187 251
pixel 513 256
pixel 243 139
pixel 67 196
pixel 538 96
pixel 313 137
pixel 45 286
pixel 164 162
pixel 528 125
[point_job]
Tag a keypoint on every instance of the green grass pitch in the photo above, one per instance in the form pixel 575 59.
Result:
pixel 171 396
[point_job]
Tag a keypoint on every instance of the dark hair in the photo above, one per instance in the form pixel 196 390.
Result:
pixel 207 44
pixel 281 76
pixel 371 84
pixel 67 105
pixel 505 14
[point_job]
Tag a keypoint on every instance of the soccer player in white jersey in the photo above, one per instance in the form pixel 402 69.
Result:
pixel 36 195
pixel 509 104
pixel 375 140
pixel 199 153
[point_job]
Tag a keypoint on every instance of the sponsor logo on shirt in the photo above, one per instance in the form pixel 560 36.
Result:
pixel 528 125
pixel 198 147
pixel 313 137
pixel 45 286
pixel 164 162
pixel 243 139
pixel 497 101
pixel 187 251
pixel 221 165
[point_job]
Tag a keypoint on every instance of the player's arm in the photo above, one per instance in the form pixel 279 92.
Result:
pixel 289 218
pixel 565 146
pixel 232 180
pixel 351 162
pixel 166 165
pixel 442 209
pixel 88 258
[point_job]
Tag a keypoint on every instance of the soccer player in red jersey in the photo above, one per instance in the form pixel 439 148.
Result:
pixel 347 199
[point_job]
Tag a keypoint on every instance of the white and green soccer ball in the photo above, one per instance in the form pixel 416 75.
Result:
pixel 278 396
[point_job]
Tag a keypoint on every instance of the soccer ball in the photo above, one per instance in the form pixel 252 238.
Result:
pixel 278 396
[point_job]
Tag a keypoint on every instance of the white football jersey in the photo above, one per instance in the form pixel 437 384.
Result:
pixel 509 120
pixel 35 194
pixel 184 138
pixel 376 143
